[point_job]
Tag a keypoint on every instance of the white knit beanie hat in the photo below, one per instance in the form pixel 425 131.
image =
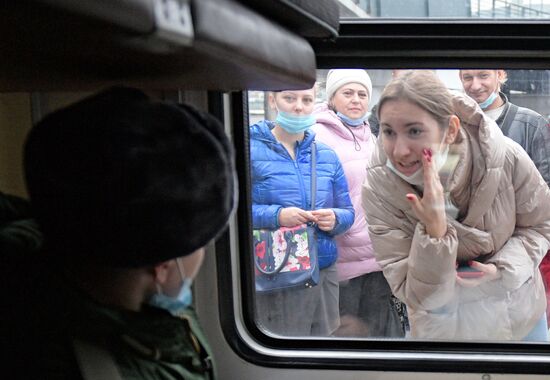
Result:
pixel 336 78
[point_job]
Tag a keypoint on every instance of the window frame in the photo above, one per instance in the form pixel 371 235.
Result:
pixel 407 45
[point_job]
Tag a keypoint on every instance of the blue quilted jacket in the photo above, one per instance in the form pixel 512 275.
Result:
pixel 278 181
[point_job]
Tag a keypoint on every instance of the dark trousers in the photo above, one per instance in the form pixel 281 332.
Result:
pixel 367 308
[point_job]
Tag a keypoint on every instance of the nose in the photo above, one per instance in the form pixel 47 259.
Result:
pixel 355 98
pixel 299 106
pixel 476 84
pixel 401 148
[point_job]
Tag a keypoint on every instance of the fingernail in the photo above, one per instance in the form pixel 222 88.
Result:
pixel 410 197
pixel 425 152
pixel 430 153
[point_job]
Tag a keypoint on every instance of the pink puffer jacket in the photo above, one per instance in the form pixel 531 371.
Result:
pixel 355 255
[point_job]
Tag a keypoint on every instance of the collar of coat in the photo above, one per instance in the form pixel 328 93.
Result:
pixel 261 131
pixel 328 118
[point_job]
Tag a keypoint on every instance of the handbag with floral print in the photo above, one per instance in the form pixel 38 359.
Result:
pixel 285 258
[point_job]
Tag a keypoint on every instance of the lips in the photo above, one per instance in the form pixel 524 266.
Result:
pixel 409 168
pixel 478 96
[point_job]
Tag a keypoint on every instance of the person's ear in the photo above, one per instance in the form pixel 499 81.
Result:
pixel 452 130
pixel 501 77
pixel 271 101
pixel 160 272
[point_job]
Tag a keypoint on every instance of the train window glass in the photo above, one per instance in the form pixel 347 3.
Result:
pixel 280 187
pixel 475 9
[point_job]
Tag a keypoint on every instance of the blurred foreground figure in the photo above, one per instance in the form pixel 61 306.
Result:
pixel 128 191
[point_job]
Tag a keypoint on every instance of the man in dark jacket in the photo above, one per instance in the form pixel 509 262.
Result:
pixel 525 126
pixel 128 192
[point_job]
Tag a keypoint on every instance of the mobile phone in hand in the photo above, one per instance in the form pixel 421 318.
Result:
pixel 465 271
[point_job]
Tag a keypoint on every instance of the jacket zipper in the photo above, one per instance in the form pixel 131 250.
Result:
pixel 300 177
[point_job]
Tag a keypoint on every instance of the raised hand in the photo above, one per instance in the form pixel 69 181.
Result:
pixel 326 219
pixel 294 216
pixel 430 210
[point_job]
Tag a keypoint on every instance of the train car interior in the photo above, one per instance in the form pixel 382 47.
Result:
pixel 226 57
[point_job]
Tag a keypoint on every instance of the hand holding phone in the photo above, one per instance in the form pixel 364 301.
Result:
pixel 464 270
pixel 474 273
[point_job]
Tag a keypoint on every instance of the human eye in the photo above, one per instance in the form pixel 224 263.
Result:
pixel 347 93
pixel 289 98
pixel 362 95
pixel 308 100
pixel 415 132
pixel 388 131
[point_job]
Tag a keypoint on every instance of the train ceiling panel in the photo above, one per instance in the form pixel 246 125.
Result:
pixel 191 44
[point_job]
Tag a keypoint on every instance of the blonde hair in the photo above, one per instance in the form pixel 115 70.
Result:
pixel 424 89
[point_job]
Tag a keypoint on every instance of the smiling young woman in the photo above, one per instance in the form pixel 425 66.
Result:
pixel 423 219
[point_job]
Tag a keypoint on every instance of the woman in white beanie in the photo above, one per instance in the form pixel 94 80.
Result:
pixel 366 307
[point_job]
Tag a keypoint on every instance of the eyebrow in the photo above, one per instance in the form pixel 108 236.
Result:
pixel 351 89
pixel 413 124
pixel 408 125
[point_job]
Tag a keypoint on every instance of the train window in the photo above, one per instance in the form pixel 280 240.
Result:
pixel 285 320
pixel 358 302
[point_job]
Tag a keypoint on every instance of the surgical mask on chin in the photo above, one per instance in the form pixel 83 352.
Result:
pixel 490 100
pixel 352 122
pixel 417 178
pixel 294 124
pixel 174 305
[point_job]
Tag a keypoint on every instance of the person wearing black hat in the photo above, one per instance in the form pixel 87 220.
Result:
pixel 127 191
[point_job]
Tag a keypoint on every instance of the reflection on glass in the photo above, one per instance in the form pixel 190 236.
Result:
pixel 486 212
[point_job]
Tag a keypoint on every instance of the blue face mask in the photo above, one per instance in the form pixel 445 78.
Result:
pixel 352 122
pixel 174 305
pixel 294 124
pixel 490 100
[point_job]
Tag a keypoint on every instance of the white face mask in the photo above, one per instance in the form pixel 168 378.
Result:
pixel 417 178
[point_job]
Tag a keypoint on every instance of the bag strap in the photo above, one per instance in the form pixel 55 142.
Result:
pixel 509 118
pixel 313 173
pixel 95 363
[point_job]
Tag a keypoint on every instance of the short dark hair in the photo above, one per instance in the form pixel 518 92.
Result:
pixel 125 181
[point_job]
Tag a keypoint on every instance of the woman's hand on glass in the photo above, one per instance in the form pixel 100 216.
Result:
pixel 326 219
pixel 430 210
pixel 490 273
pixel 294 216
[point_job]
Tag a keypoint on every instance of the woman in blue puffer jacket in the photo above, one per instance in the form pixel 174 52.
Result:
pixel 281 196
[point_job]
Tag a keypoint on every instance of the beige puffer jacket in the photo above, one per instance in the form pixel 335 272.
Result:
pixel 504 219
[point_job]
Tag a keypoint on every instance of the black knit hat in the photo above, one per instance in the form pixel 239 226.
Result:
pixel 125 181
